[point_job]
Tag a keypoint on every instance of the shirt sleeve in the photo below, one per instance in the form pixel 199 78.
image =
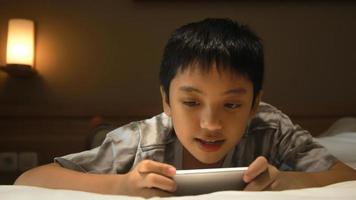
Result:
pixel 297 151
pixel 115 155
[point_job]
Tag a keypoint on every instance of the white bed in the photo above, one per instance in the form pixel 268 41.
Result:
pixel 340 139
pixel 340 191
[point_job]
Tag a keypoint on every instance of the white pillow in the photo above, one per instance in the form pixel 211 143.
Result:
pixel 342 146
pixel 346 124
pixel 340 140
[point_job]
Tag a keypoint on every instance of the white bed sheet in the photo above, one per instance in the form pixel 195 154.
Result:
pixel 339 191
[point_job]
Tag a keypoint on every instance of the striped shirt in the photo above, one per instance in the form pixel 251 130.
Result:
pixel 270 133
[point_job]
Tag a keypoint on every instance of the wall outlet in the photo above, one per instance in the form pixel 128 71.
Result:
pixel 27 160
pixel 8 161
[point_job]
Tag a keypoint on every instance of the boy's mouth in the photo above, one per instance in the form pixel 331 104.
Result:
pixel 209 145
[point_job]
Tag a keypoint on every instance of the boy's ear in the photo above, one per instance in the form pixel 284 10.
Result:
pixel 256 104
pixel 165 103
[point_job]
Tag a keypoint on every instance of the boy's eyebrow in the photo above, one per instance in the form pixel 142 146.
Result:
pixel 239 91
pixel 190 89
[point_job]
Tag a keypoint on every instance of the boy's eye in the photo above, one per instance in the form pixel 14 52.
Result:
pixel 232 105
pixel 191 103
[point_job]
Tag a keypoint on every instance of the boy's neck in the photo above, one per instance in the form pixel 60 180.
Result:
pixel 190 162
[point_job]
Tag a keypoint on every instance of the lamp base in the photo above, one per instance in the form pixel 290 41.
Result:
pixel 17 70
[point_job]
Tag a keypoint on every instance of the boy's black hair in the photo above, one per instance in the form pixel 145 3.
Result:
pixel 223 42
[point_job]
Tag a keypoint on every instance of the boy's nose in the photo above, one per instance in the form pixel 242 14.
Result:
pixel 210 121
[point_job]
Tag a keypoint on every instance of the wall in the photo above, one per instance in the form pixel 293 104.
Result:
pixel 102 58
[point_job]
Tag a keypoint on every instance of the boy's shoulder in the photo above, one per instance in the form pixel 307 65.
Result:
pixel 149 132
pixel 269 117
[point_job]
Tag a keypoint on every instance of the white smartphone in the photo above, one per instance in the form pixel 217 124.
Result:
pixel 202 181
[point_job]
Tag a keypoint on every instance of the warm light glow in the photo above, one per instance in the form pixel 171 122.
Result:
pixel 20 42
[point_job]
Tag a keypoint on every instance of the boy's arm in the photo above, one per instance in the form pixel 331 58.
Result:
pixel 337 173
pixel 147 179
pixel 57 177
pixel 262 176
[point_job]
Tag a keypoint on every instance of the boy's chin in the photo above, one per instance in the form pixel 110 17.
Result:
pixel 211 157
pixel 210 160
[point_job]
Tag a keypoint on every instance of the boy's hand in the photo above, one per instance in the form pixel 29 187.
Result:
pixel 262 176
pixel 150 178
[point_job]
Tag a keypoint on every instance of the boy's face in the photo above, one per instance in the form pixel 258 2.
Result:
pixel 209 110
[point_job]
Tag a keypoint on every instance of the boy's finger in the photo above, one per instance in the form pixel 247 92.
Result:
pixel 150 166
pixel 264 180
pixel 256 168
pixel 153 180
pixel 149 193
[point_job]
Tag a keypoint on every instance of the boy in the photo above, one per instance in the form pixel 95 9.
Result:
pixel 211 84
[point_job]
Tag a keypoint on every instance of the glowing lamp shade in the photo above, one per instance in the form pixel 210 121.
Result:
pixel 20 42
